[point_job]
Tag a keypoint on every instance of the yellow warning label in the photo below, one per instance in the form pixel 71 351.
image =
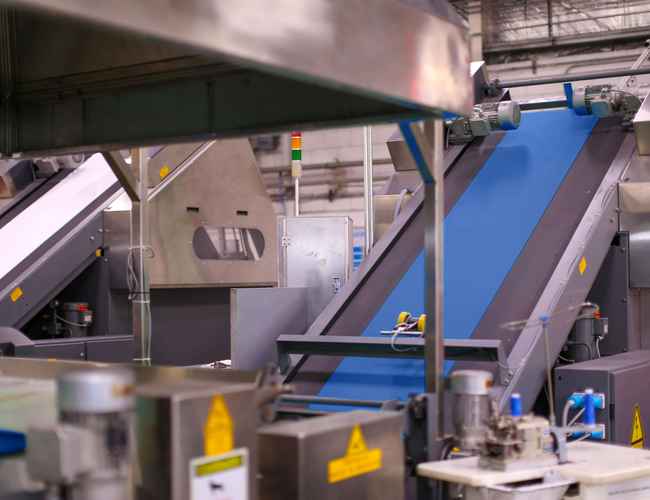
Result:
pixel 164 172
pixel 358 459
pixel 582 266
pixel 16 293
pixel 218 433
pixel 637 436
pixel 98 252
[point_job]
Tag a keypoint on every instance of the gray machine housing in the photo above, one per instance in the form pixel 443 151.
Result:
pixel 622 378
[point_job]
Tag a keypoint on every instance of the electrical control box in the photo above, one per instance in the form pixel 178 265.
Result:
pixel 622 378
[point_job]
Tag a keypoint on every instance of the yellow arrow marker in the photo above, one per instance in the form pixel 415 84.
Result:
pixel 637 436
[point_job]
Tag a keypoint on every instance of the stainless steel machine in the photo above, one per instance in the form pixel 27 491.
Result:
pixel 146 432
pixel 204 242
pixel 175 85
pixel 534 233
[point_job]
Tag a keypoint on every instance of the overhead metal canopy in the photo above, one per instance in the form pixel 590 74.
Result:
pixel 79 75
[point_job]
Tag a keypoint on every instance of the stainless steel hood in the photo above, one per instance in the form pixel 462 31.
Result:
pixel 88 75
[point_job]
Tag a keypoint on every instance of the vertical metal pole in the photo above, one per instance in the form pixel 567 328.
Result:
pixel 434 210
pixel 140 247
pixel 7 74
pixel 296 200
pixel 475 20
pixel 549 18
pixel 368 207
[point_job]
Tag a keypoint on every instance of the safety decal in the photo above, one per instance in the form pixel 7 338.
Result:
pixel 358 459
pixel 16 293
pixel 582 266
pixel 218 433
pixel 637 436
pixel 164 171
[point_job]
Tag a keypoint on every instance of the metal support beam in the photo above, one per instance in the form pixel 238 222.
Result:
pixel 426 146
pixel 368 208
pixel 7 76
pixel 630 81
pixel 124 173
pixel 475 20
pixel 600 75
pixel 568 286
pixel 482 350
pixel 309 400
pixel 138 254
pixel 180 169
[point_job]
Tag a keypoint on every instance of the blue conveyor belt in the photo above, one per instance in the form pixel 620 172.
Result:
pixel 485 232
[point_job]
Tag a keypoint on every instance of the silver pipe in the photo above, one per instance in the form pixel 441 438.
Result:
pixel 329 181
pixel 325 165
pixel 369 220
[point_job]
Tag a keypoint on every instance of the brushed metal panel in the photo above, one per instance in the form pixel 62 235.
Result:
pixel 170 421
pixel 391 51
pixel 634 197
pixel 634 200
pixel 258 316
pixel 315 253
pixel 294 457
pixel 220 188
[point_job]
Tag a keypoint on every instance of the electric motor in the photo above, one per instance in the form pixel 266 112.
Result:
pixel 485 118
pixel 102 403
pixel 471 407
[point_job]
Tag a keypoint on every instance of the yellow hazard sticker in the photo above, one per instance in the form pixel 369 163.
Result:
pixel 164 171
pixel 358 459
pixel 637 435
pixel 16 293
pixel 582 266
pixel 218 432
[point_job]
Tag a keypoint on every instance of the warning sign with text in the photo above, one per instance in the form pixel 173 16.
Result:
pixel 358 459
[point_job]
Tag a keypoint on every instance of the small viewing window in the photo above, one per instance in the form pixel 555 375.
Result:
pixel 228 243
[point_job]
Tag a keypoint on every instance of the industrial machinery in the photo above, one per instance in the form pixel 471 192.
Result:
pixel 545 267
pixel 525 457
pixel 605 100
pixel 88 453
pixel 145 432
pixel 68 287
pixel 486 118
pixel 621 99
